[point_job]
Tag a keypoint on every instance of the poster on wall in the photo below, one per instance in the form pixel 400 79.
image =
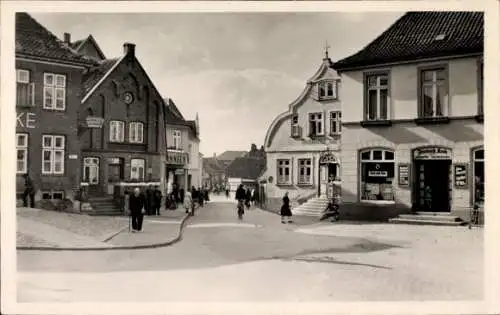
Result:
pixel 460 175
pixel 404 174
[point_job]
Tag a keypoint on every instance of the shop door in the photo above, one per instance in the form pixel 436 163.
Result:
pixel 115 170
pixel 433 185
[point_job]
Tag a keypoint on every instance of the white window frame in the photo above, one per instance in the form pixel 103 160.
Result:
pixel 474 161
pixel 318 121
pixel 53 149
pixel 27 82
pixel 283 164
pixel 23 148
pixel 93 164
pixel 378 87
pixel 323 89
pixel 119 127
pixel 138 164
pixel 336 120
pixel 136 132
pixel 177 139
pixel 435 83
pixel 58 84
pixel 304 164
pixel 372 160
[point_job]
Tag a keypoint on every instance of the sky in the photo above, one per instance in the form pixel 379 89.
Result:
pixel 238 71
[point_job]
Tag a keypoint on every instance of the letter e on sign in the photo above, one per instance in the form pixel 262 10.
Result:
pixel 30 120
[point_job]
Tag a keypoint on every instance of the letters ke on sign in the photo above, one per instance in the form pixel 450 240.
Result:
pixel 460 175
pixel 26 120
pixel 94 122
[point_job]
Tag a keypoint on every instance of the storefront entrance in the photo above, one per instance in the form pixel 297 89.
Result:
pixel 328 172
pixel 432 181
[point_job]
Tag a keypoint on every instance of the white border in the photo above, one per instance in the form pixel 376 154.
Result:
pixel 7 166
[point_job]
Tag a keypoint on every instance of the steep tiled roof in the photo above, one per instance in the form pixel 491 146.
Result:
pixel 212 166
pixel 414 36
pixel 97 73
pixel 32 39
pixel 246 167
pixel 75 45
pixel 231 155
pixel 172 118
pixel 173 107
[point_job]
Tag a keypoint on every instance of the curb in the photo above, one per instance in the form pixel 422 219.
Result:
pixel 148 246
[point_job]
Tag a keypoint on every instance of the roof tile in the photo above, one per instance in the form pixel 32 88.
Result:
pixel 413 37
pixel 246 167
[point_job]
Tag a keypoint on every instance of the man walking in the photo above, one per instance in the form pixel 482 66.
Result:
pixel 137 203
pixel 157 198
pixel 29 191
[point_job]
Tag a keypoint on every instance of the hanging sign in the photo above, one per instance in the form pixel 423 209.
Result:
pixel 94 122
pixel 432 153
pixel 404 174
pixel 460 175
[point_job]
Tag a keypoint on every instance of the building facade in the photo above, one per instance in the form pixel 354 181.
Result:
pixel 48 94
pixel 303 143
pixel 120 126
pixel 412 131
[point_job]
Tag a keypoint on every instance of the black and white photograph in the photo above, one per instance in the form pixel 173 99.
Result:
pixel 163 154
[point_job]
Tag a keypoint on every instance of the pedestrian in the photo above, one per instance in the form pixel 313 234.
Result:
pixel 29 191
pixel 181 194
pixel 227 191
pixel 201 196
pixel 137 205
pixel 126 204
pixel 188 202
pixel 248 197
pixel 150 200
pixel 157 200
pixel 286 212
pixel 205 194
pixel 255 196
pixel 175 193
pixel 194 194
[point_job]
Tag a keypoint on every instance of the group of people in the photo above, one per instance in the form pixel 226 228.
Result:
pixel 178 195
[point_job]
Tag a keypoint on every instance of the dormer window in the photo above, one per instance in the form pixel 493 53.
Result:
pixel 327 89
pixel 295 126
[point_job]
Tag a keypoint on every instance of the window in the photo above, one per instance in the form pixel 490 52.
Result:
pixel 54 91
pixel 177 139
pixel 136 132
pixel 53 154
pixel 91 170
pixel 25 91
pixel 377 175
pixel 137 169
pixel 478 171
pixel 305 171
pixel 284 172
pixel 335 123
pixel 22 153
pixel 327 89
pixel 433 93
pixel 116 131
pixel 295 126
pixel 480 87
pixel 315 124
pixel 377 97
pixel 53 195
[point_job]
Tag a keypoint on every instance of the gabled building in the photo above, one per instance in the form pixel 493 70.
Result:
pixel 183 162
pixel 246 170
pixel 87 47
pixel 48 94
pixel 412 118
pixel 302 144
pixel 121 125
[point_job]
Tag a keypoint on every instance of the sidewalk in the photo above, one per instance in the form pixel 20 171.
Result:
pixel 50 230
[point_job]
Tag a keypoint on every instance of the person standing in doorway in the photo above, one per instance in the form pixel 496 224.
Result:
pixel 157 200
pixel 137 205
pixel 286 212
pixel 29 191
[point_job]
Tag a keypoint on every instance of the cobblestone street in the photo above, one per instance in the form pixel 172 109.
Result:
pixel 221 259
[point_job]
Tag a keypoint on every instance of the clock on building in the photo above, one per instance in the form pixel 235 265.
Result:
pixel 128 98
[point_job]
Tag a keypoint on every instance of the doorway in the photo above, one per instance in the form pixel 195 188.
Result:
pixel 332 172
pixel 115 170
pixel 432 185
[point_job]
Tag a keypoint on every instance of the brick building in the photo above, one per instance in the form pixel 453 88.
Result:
pixel 412 131
pixel 121 123
pixel 48 94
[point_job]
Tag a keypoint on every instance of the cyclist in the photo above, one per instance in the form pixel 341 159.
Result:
pixel 240 196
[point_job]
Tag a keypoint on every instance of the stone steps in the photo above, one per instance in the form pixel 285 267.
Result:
pixel 426 222
pixel 426 218
pixel 314 207
pixel 102 206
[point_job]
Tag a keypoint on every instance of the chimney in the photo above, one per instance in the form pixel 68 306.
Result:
pixel 67 38
pixel 129 49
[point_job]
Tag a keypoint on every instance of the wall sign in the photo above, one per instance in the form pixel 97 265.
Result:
pixel 460 175
pixel 404 174
pixel 26 120
pixel 94 122
pixel 114 161
pixel 432 153
pixel 73 156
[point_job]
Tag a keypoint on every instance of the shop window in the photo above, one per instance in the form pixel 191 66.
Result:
pixel 377 175
pixel 478 171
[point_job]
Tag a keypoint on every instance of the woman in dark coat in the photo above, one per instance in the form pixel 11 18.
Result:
pixel 248 198
pixel 285 209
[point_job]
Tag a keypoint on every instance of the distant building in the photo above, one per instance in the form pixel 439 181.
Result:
pixel 213 173
pixel 303 144
pixel 227 157
pixel 48 94
pixel 412 137
pixel 246 170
